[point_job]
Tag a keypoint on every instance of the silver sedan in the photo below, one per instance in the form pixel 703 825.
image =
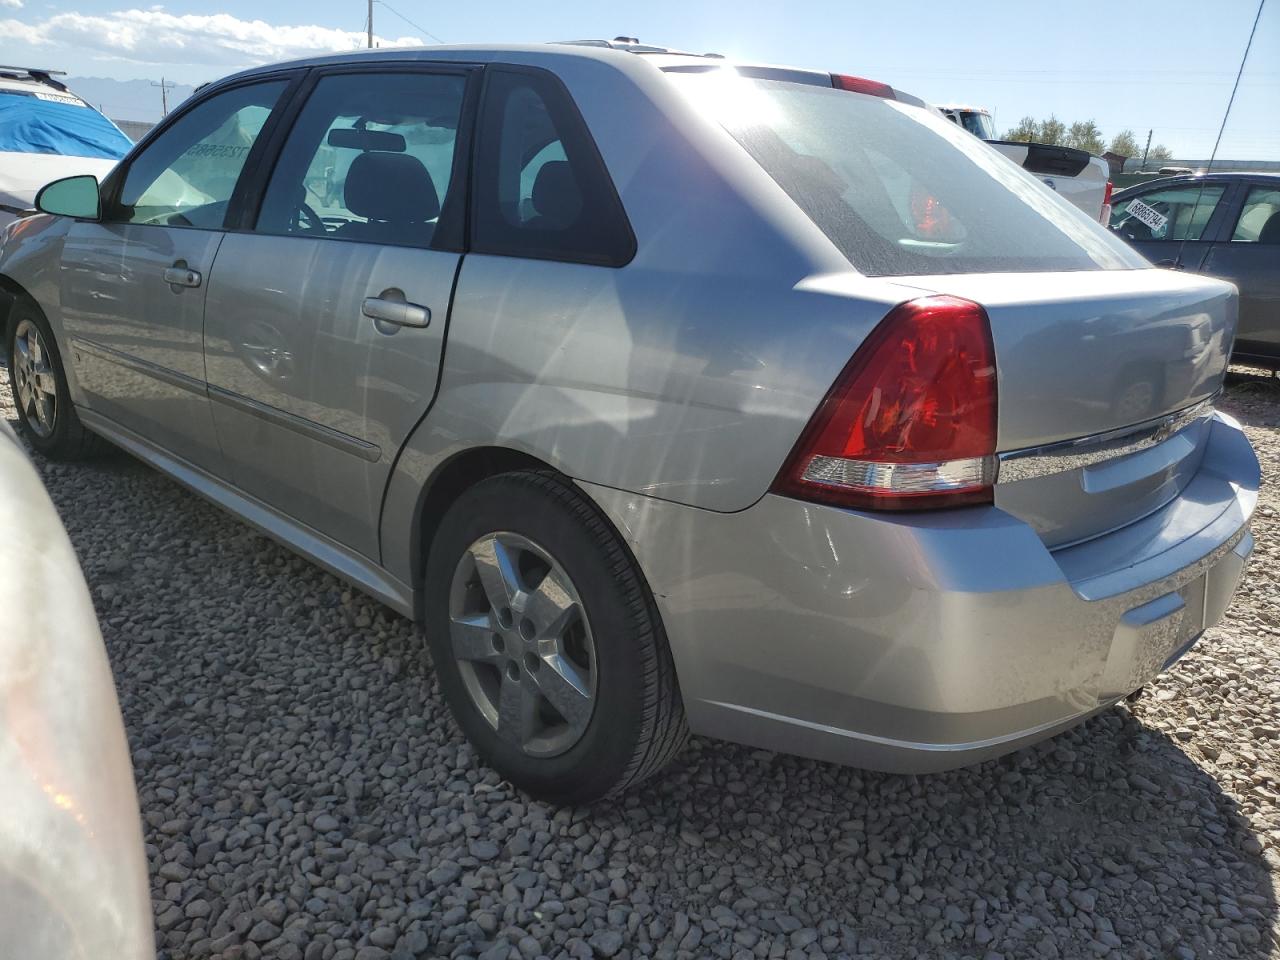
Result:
pixel 671 394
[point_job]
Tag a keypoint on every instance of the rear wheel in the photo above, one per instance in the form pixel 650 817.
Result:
pixel 45 414
pixel 546 641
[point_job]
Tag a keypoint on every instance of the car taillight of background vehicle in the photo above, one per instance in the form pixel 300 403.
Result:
pixel 910 423
pixel 1106 206
pixel 873 88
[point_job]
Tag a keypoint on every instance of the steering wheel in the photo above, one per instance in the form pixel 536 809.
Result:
pixel 309 220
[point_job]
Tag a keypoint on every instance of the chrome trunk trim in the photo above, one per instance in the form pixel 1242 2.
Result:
pixel 1081 452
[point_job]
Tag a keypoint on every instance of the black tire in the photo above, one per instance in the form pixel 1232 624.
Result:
pixel 637 724
pixel 68 439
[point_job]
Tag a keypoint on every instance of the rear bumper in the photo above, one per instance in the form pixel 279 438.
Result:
pixel 922 642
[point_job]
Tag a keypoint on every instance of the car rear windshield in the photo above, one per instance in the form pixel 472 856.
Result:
pixel 897 189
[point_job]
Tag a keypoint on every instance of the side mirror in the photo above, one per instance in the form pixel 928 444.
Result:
pixel 71 197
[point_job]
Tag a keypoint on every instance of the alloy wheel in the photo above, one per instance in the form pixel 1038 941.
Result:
pixel 35 380
pixel 522 643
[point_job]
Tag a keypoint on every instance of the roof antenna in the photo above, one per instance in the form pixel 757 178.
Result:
pixel 1177 264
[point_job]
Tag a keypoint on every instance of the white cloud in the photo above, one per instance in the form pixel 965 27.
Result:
pixel 14 4
pixel 16 31
pixel 154 36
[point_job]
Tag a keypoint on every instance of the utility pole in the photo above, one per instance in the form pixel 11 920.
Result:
pixel 1147 149
pixel 369 23
pixel 165 86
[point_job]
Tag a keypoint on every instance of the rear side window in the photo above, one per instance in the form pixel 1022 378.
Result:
pixel 1260 219
pixel 541 189
pixel 897 189
pixel 1174 213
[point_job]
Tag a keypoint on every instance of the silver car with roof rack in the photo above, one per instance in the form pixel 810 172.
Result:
pixel 671 394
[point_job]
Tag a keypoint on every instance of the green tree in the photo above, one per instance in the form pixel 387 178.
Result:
pixel 1085 135
pixel 1159 154
pixel 1025 132
pixel 1053 131
pixel 1126 144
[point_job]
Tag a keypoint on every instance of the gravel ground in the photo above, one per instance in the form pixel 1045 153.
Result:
pixel 305 794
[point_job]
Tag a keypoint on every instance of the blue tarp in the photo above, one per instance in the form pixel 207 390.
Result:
pixel 32 125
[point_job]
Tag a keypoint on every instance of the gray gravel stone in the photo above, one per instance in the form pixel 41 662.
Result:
pixel 305 794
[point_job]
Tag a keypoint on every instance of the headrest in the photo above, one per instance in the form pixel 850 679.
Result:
pixel 1270 232
pixel 556 197
pixel 390 186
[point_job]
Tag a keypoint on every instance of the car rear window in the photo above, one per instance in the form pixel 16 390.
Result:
pixel 897 189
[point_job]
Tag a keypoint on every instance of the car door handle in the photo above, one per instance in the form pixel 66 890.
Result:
pixel 398 312
pixel 1170 264
pixel 180 275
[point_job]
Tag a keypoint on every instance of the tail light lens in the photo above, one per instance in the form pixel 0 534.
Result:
pixel 911 422
pixel 1106 206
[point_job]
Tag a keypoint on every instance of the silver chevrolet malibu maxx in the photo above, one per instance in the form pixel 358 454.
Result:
pixel 669 393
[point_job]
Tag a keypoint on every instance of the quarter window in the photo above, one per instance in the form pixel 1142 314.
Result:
pixel 1174 213
pixel 187 175
pixel 542 190
pixel 1260 219
pixel 370 158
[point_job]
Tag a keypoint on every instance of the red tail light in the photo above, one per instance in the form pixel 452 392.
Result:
pixel 911 422
pixel 872 88
pixel 1106 206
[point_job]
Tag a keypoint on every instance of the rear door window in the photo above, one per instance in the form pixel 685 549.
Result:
pixel 1170 213
pixel 1260 217
pixel 370 158
pixel 542 190
pixel 898 190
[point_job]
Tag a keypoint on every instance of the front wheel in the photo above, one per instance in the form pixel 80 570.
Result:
pixel 546 641
pixel 39 383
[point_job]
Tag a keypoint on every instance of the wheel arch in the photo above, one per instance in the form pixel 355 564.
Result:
pixel 10 293
pixel 450 479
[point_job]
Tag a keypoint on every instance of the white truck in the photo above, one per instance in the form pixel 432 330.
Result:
pixel 1081 178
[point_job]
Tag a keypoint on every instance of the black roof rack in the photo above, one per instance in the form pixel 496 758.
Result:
pixel 38 74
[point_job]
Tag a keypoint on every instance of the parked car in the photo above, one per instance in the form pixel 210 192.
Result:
pixel 1224 225
pixel 73 872
pixel 1085 180
pixel 669 393
pixel 47 132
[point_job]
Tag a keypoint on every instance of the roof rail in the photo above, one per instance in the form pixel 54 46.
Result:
pixel 633 45
pixel 38 74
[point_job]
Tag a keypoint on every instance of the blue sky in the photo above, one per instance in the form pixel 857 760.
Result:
pixel 1166 66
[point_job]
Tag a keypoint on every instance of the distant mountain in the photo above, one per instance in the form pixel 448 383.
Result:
pixel 126 99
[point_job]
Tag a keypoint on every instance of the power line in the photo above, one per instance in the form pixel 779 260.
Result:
pixel 416 26
pixel 1213 156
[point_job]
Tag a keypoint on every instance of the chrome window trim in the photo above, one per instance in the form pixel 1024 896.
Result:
pixel 1045 461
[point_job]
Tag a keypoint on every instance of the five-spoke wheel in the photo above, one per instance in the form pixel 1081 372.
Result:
pixel 35 381
pixel 546 641
pixel 523 643
pixel 46 415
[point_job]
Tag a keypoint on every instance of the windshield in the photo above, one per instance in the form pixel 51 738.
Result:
pixel 979 124
pixel 30 124
pixel 897 189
